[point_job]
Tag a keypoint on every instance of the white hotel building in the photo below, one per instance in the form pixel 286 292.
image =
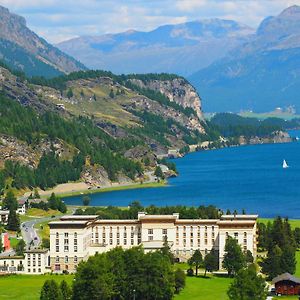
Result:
pixel 75 238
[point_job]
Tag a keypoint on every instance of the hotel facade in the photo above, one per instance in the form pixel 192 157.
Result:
pixel 75 238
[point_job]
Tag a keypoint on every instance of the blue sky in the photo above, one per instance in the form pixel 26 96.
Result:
pixel 58 20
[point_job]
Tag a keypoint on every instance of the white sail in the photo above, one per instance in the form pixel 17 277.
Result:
pixel 284 164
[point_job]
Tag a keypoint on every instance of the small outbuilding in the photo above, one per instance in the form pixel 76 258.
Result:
pixel 287 284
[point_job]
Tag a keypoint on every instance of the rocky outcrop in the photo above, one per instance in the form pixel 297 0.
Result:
pixel 177 90
pixel 274 138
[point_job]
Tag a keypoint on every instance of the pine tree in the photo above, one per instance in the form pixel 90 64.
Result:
pixel 13 222
pixel 70 93
pixel 111 94
pixel 247 285
pixel 51 291
pixel 65 290
pixel 234 259
pixel 10 201
pixel 211 262
pixel 20 248
pixel 196 260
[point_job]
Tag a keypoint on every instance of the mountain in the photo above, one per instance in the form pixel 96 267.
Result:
pixel 181 49
pixel 259 75
pixel 93 126
pixel 22 49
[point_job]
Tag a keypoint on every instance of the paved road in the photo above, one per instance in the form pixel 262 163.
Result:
pixel 29 233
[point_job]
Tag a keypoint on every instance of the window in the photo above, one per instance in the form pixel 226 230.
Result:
pixel 28 270
pixel 213 235
pixel 150 231
pixel 205 241
pixel 39 263
pixel 75 248
pixel 75 259
pixel 236 235
pixel 39 270
pixel 66 242
pixel 57 249
pixel 184 234
pixel 118 234
pixel 205 228
pixel 125 241
pixel 132 241
pixel 245 241
pixel 245 234
pixel 192 242
pixel 191 234
pixel 75 242
pixel 12 263
pixel 111 235
pixel 75 235
pixel 57 259
pixel 198 242
pixel 110 241
pixel 132 234
pixel 165 231
pixel 57 235
pixel 212 241
pixel 33 270
pixel 66 259
pixel 150 238
pixel 66 248
pixel 118 242
pixel 66 234
pixel 125 234
pixel 212 228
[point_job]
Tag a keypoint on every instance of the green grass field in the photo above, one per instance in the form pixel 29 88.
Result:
pixel 26 287
pixel 199 288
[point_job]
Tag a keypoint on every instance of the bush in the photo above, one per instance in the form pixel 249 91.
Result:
pixel 190 272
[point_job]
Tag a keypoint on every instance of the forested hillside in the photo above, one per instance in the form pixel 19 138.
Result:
pixel 92 126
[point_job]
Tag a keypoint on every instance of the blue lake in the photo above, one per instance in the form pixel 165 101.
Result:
pixel 248 177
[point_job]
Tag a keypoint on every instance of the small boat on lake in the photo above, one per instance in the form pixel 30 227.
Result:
pixel 284 164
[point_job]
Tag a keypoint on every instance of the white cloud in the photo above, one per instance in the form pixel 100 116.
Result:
pixel 57 20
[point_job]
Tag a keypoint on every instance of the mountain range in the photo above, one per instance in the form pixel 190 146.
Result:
pixel 182 49
pixel 261 74
pixel 233 66
pixel 23 50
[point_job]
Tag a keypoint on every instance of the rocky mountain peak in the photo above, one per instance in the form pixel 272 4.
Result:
pixel 291 12
pixel 13 30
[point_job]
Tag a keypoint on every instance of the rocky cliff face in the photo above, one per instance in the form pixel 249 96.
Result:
pixel 177 90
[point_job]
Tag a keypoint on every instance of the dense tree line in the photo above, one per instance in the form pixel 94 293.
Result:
pixel 279 240
pixel 53 202
pixel 230 125
pixel 186 212
pixel 125 274
pixel 80 132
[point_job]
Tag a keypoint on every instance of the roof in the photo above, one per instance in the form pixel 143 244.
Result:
pixel 79 217
pixel 286 276
pixel 36 251
pixel 239 217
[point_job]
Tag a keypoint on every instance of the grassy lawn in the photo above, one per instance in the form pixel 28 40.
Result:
pixel 26 287
pixel 43 229
pixel 13 242
pixel 200 288
pixel 36 212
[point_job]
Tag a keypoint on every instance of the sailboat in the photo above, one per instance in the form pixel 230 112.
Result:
pixel 284 164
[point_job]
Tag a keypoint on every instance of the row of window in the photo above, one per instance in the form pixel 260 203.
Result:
pixel 66 259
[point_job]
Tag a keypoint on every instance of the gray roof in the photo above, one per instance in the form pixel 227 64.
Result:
pixel 286 276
